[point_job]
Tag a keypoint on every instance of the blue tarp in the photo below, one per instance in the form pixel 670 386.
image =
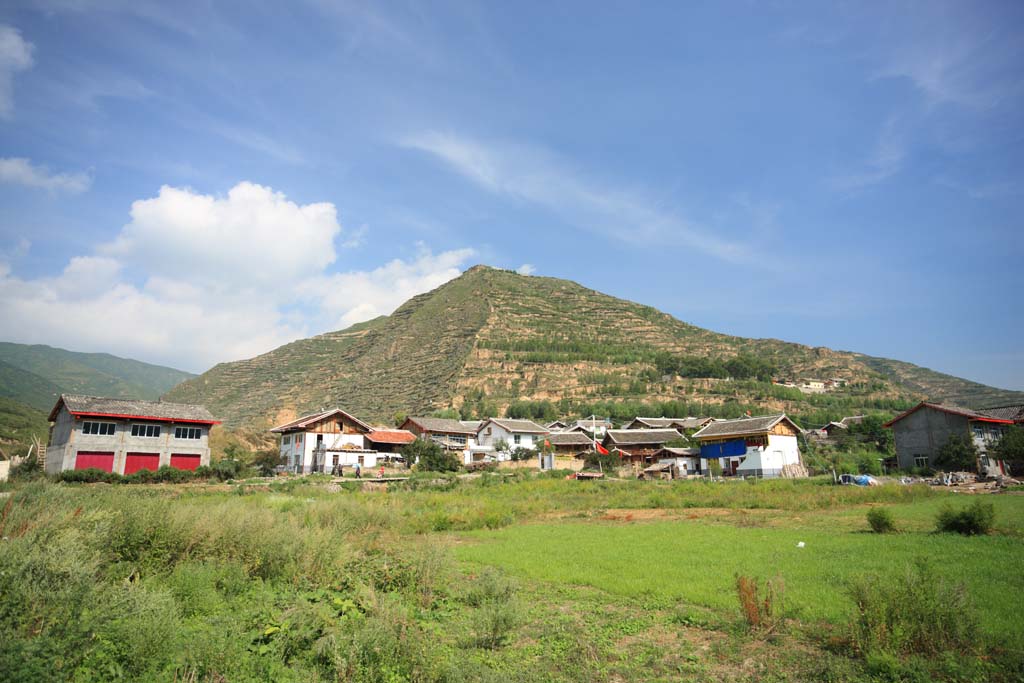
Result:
pixel 737 447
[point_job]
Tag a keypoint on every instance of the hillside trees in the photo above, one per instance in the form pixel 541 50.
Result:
pixel 741 366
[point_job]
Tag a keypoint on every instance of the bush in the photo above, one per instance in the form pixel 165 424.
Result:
pixel 974 520
pixel 881 521
pixel 958 453
pixel 916 612
pixel 762 613
pixel 26 470
pixel 429 457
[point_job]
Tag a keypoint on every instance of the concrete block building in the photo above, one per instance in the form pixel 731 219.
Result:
pixel 125 436
pixel 923 430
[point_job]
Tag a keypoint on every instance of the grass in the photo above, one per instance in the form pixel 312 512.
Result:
pixel 522 578
pixel 696 562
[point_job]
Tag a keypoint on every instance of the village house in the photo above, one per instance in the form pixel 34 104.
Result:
pixel 753 446
pixel 575 443
pixel 684 461
pixel 922 431
pixel 684 425
pixel 556 426
pixel 334 439
pixel 494 433
pixel 638 446
pixel 458 436
pixel 125 436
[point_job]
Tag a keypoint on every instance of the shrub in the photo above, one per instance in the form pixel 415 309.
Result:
pixel 958 453
pixel 27 469
pixel 881 521
pixel 762 613
pixel 916 612
pixel 226 469
pixel 974 520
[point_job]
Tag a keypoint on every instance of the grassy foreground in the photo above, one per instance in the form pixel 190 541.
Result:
pixel 519 579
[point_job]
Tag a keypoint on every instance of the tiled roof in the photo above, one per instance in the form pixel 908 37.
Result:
pixel 133 408
pixel 1015 413
pixel 641 436
pixel 680 452
pixel 742 427
pixel 441 425
pixel 521 426
pixel 952 410
pixel 570 439
pixel 308 420
pixel 669 422
pixel 391 436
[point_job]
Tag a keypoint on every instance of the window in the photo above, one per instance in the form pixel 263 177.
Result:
pixel 516 438
pixel 979 431
pixel 101 428
pixel 921 461
pixel 187 432
pixel 458 439
pixel 286 440
pixel 146 430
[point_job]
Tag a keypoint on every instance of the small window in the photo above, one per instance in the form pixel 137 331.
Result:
pixel 921 461
pixel 101 428
pixel 187 433
pixel 979 431
pixel 146 430
pixel 286 440
pixel 516 438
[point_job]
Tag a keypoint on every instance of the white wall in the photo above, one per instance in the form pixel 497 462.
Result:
pixel 786 446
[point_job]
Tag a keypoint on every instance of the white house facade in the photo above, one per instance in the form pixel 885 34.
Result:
pixel 494 433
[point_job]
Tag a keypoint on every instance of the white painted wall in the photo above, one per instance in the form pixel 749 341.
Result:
pixel 786 446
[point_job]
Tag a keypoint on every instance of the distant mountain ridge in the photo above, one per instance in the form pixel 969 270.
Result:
pixel 490 338
pixel 35 375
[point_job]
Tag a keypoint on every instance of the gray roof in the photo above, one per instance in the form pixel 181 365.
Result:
pixel 523 426
pixel 301 423
pixel 132 408
pixel 668 422
pixel 1015 413
pixel 681 452
pixel 442 425
pixel 570 439
pixel 471 424
pixel 742 427
pixel 642 436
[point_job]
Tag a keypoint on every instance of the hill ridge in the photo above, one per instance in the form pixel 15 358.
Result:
pixel 491 338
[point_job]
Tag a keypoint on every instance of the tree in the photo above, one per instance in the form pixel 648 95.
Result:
pixel 429 457
pixel 266 460
pixel 1010 447
pixel 958 453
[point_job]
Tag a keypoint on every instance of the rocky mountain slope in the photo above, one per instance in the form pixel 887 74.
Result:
pixel 491 338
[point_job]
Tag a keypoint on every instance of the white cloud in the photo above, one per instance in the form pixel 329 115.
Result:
pixel 526 269
pixel 885 161
pixel 380 291
pixel 20 171
pixel 196 279
pixel 531 174
pixel 15 56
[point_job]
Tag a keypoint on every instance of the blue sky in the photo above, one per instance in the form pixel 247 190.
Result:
pixel 195 184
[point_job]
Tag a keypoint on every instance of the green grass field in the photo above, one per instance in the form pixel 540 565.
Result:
pixel 492 579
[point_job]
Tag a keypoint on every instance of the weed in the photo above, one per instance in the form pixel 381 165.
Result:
pixel 916 612
pixel 761 612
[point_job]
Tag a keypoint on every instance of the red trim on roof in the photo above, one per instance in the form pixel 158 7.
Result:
pixel 149 418
pixel 391 436
pixel 952 410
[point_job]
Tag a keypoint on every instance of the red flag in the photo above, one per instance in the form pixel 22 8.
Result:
pixel 600 449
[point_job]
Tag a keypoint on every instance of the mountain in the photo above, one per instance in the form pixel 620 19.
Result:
pixel 35 375
pixel 492 339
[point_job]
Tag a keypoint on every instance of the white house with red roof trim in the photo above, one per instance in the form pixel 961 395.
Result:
pixel 333 439
pixel 125 436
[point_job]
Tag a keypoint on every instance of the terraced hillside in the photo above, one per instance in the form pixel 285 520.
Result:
pixel 491 338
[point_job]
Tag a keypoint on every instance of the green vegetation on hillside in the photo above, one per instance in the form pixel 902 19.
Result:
pixel 35 375
pixel 491 340
pixel 18 424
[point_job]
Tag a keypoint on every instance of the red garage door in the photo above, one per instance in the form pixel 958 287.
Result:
pixel 100 460
pixel 134 462
pixel 184 462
